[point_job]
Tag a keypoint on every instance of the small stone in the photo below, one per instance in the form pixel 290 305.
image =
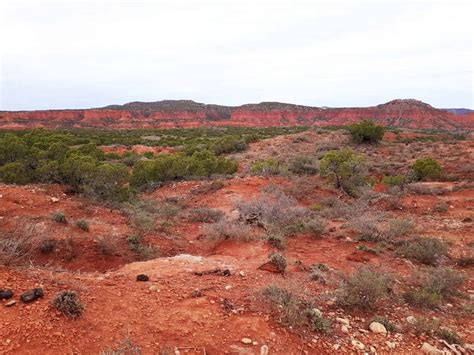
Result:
pixel 32 295
pixel 247 341
pixel 411 320
pixel 430 349
pixel 343 321
pixel 54 199
pixel 10 303
pixel 6 294
pixel 264 350
pixel 378 328
pixel 143 278
pixel 241 273
pixel 228 287
pixel 344 329
pixel 391 344
pixel 336 346
pixel 358 344
pixel 373 349
pixel 153 288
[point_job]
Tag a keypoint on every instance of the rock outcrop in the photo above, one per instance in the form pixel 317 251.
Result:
pixel 189 114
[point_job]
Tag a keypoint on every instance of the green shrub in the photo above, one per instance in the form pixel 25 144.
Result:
pixel 266 167
pixel 229 144
pixel 69 304
pixel 15 173
pixel 83 224
pixel 59 217
pixel 425 250
pixel 395 180
pixel 303 165
pixel 345 169
pixel 427 169
pixel 364 288
pixel 366 132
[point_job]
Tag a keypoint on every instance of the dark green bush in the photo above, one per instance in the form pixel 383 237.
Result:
pixel 366 132
pixel 427 169
pixel 345 168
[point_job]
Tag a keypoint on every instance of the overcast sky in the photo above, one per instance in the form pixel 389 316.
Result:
pixel 80 54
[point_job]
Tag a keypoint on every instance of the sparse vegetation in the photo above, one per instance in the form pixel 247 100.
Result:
pixel 279 261
pixel 364 288
pixel 425 250
pixel 59 217
pixel 83 224
pixel 427 169
pixel 69 304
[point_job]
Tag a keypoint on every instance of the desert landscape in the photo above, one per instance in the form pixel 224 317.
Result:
pixel 182 228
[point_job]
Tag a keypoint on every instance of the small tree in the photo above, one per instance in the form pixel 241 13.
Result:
pixel 427 169
pixel 366 132
pixel 345 168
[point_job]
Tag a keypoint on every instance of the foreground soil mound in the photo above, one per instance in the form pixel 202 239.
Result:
pixel 189 114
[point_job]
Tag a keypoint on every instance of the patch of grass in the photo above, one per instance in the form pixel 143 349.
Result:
pixel 424 326
pixel 69 304
pixel 124 347
pixel 441 207
pixel 145 252
pixel 225 229
pixel 450 336
pixel 206 215
pixel 107 245
pixel 400 227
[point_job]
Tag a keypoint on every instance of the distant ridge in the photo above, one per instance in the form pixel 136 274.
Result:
pixel 407 113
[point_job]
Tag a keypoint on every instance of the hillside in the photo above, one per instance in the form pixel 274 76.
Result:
pixel 188 114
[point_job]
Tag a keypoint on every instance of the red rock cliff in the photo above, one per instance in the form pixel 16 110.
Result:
pixel 187 114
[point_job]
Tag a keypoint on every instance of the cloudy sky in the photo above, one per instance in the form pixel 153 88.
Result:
pixel 91 53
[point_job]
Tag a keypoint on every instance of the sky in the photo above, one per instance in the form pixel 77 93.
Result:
pixel 93 53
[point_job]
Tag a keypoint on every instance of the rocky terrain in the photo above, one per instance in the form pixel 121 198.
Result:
pixel 187 114
pixel 202 293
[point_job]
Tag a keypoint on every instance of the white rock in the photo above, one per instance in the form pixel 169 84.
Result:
pixel 241 273
pixel 343 321
pixel 317 312
pixel 234 215
pixel 373 349
pixel 246 340
pixel 411 320
pixel 391 344
pixel 336 346
pixel 358 344
pixel 54 199
pixel 430 349
pixel 264 350
pixel 377 327
pixel 228 287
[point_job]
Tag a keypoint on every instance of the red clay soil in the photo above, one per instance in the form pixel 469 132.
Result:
pixel 188 304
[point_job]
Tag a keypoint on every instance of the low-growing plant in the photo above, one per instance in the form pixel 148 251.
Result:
pixel 124 347
pixel 59 217
pixel 316 322
pixel 441 207
pixel 425 250
pixel 206 215
pixel 47 245
pixel 279 261
pixel 303 165
pixel 364 288
pixel 83 224
pixel 400 227
pixel 69 304
pixel 107 245
pixel 314 227
pixel 225 229
pixel 432 285
pixel 450 336
pixel 145 252
pixel 424 326
pixel 266 167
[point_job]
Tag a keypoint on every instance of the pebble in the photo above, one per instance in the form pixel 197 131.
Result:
pixel 344 328
pixel 54 199
pixel 411 320
pixel 430 349
pixel 343 321
pixel 358 344
pixel 378 328
pixel 264 350
pixel 246 340
pixel 391 344
pixel 228 287
pixel 317 312
pixel 10 303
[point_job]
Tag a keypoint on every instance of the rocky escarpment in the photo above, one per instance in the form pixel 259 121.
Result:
pixel 189 114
